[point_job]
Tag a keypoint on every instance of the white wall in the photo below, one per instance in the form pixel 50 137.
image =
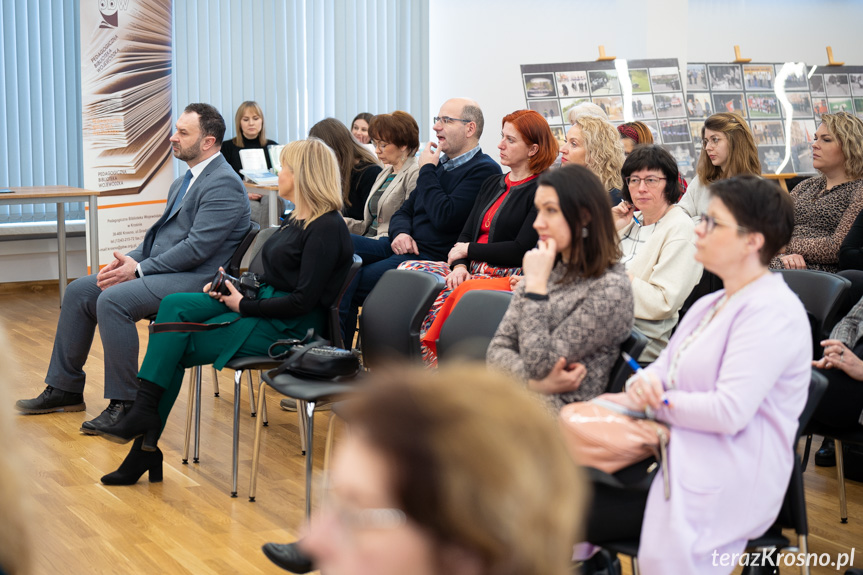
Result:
pixel 478 46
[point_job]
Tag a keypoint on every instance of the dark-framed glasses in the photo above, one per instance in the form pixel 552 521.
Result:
pixel 447 120
pixel 651 182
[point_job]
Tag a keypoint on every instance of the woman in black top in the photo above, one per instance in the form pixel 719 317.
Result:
pixel 305 262
pixel 358 166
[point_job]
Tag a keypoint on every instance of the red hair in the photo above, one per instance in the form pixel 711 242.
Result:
pixel 534 129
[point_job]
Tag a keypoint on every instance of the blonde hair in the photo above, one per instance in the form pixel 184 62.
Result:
pixel 238 136
pixel 317 190
pixel 14 540
pixel 478 463
pixel 848 130
pixel 604 150
pixel 742 151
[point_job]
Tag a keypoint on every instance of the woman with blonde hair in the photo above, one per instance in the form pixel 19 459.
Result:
pixel 727 149
pixel 304 264
pixel 826 206
pixel 456 471
pixel 595 143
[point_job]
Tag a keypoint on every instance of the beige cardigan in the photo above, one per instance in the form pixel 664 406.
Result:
pixel 664 273
pixel 392 199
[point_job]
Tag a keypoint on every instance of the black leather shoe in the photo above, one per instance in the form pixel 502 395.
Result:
pixel 288 556
pixel 51 400
pixel 109 416
pixel 826 456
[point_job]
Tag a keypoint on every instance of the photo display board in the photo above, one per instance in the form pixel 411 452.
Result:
pixel 650 91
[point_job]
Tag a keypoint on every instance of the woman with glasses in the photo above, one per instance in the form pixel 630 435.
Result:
pixel 359 167
pixel 731 384
pixel 656 244
pixel 595 143
pixel 727 149
pixel 637 133
pixel 826 206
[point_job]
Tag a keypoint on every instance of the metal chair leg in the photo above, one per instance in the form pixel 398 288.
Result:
pixel 840 473
pixel 215 382
pixel 803 544
pixel 635 570
pixel 328 450
pixel 256 447
pixel 197 450
pixel 189 407
pixel 806 449
pixel 235 460
pixel 264 410
pixel 310 414
pixel 302 425
pixel 254 411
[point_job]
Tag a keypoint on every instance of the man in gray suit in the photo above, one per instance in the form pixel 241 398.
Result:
pixel 206 217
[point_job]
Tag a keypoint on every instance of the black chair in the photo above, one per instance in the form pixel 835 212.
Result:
pixel 472 324
pixel 822 295
pixel 391 318
pixel 791 515
pixel 620 371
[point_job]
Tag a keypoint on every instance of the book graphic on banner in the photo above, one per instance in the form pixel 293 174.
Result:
pixel 126 86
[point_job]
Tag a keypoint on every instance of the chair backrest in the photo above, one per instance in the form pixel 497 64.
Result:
pixel 335 335
pixel 472 324
pixel 821 294
pixel 620 371
pixel 233 267
pixel 392 315
pixel 256 263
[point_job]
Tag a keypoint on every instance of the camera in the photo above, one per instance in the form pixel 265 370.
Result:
pixel 247 284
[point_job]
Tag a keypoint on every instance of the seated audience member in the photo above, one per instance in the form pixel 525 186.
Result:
pixel 731 384
pixel 360 130
pixel 304 263
pixel 634 133
pixel 826 206
pixel 727 149
pixel 396 139
pixel 206 217
pixel 573 308
pixel 250 135
pixel 432 460
pixel 851 250
pixel 656 243
pixel 428 223
pixel 499 229
pixel 359 168
pixel 594 142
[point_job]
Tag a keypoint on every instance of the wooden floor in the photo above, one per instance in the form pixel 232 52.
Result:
pixel 188 523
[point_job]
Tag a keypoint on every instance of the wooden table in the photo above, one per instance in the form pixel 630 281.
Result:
pixel 274 199
pixel 60 195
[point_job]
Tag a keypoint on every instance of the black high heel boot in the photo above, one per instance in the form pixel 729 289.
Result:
pixel 136 463
pixel 142 419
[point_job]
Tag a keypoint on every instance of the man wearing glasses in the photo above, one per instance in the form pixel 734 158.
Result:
pixel 429 222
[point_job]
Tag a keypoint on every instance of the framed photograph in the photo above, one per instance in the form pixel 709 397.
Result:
pixel 559 134
pixel 567 105
pixel 795 78
pixel 819 106
pixel 729 103
pixel 758 76
pixel 725 77
pixel 665 79
pixel 695 131
pixel 640 80
pixel 549 109
pixel 768 132
pixel 642 107
pixel 683 153
pixel 696 77
pixel 837 85
pixel 675 131
pixel 603 82
pixel 773 160
pixel 763 105
pixel 856 81
pixel 571 84
pixel 801 104
pixel 858 106
pixel 698 105
pixel 653 127
pixel 840 105
pixel 611 105
pixel 539 86
pixel 802 133
pixel 669 105
pixel 816 85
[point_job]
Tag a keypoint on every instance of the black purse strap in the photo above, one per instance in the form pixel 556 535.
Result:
pixel 186 326
pixel 294 358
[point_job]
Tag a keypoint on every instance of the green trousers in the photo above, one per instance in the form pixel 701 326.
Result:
pixel 170 353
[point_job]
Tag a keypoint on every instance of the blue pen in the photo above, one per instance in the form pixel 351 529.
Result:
pixel 639 371
pixel 639 223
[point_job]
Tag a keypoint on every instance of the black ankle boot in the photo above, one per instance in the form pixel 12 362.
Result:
pixel 142 419
pixel 136 463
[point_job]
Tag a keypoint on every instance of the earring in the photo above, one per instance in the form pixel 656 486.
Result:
pixel 584 232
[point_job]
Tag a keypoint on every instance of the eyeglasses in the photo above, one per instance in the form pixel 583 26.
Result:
pixel 652 182
pixel 712 140
pixel 380 145
pixel 447 120
pixel 710 224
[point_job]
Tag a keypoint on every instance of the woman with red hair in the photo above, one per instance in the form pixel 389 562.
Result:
pixel 499 229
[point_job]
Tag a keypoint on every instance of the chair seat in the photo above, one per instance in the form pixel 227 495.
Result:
pixel 310 389
pixel 842 434
pixel 253 362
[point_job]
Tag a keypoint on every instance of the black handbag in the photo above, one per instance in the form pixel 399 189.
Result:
pixel 313 357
